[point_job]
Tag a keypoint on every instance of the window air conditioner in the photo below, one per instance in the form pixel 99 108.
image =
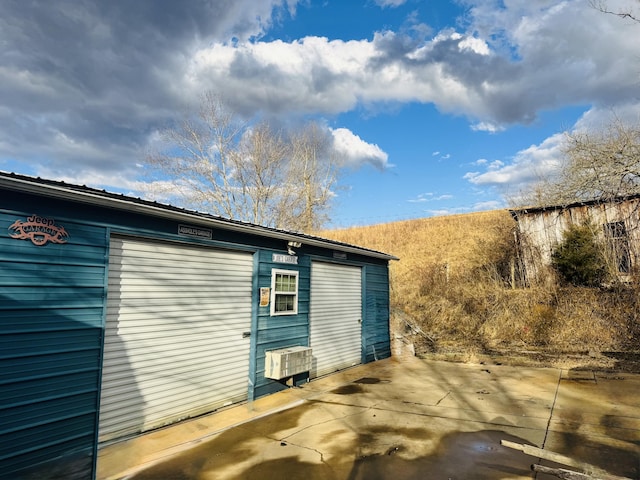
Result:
pixel 286 362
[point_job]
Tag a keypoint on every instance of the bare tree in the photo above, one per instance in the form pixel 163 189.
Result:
pixel 194 164
pixel 260 167
pixel 215 162
pixel 602 165
pixel 314 168
pixel 598 165
pixel 627 12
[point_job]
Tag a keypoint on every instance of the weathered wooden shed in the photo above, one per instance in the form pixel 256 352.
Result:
pixel 119 315
pixel 616 223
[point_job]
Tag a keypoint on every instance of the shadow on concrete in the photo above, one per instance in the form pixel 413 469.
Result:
pixel 428 423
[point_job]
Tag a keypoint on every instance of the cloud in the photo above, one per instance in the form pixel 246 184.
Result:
pixel 441 156
pixel 86 84
pixel 545 159
pixel 528 165
pixel 356 151
pixel 527 58
pixel 430 197
pixel 83 83
pixel 390 3
pixel 476 207
pixel 487 127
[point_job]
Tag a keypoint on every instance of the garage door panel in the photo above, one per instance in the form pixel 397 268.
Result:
pixel 335 332
pixel 173 342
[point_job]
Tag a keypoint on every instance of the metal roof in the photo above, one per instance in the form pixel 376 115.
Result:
pixel 103 198
pixel 586 203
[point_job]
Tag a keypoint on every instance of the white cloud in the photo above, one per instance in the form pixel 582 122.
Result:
pixel 476 207
pixel 475 45
pixel 390 3
pixel 441 156
pixel 356 151
pixel 544 159
pixel 527 166
pixel 487 127
pixel 430 197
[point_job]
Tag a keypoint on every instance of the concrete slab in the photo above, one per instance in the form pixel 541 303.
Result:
pixel 400 419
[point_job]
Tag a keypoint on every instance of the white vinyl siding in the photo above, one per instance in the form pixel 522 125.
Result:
pixel 174 344
pixel 335 332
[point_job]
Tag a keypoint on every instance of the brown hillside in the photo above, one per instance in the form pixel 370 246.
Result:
pixel 456 289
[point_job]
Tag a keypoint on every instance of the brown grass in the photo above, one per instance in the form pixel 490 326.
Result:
pixel 456 288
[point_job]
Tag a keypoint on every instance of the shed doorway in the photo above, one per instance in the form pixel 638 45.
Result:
pixel 176 342
pixel 335 324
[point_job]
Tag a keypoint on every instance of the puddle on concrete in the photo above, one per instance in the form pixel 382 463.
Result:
pixel 370 381
pixel 476 455
pixel 355 386
pixel 349 389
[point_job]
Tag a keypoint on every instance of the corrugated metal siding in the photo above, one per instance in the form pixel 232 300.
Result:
pixel 377 344
pixel 51 313
pixel 174 345
pixel 335 325
pixel 280 331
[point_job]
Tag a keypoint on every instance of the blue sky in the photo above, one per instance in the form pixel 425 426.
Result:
pixel 440 107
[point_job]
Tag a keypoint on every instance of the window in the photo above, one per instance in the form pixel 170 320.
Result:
pixel 284 292
pixel 618 242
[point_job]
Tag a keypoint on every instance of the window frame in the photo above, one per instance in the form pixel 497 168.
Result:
pixel 617 238
pixel 275 293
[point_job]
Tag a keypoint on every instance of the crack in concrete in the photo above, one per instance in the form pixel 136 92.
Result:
pixel 284 440
pixel 365 410
pixel 445 396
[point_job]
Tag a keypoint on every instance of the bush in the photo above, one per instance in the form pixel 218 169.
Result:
pixel 579 259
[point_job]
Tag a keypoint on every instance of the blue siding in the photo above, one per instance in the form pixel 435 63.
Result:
pixel 51 314
pixel 376 342
pixel 52 303
pixel 290 330
pixel 284 330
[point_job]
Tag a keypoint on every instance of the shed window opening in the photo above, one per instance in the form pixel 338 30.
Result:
pixel 618 243
pixel 284 291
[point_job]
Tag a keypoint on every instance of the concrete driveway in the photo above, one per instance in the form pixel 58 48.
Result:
pixel 402 419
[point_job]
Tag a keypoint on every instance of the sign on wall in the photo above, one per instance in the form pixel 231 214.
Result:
pixel 279 258
pixel 197 232
pixel 39 230
pixel 265 295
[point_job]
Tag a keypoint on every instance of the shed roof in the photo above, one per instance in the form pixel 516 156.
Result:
pixel 515 212
pixel 103 198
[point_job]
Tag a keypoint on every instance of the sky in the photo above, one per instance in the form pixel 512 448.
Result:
pixel 438 107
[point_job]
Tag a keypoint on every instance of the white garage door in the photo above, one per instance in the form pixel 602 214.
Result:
pixel 174 343
pixel 335 332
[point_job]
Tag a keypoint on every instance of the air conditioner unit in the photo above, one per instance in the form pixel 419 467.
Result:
pixel 286 362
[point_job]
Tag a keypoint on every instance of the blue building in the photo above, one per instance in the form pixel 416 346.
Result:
pixel 119 315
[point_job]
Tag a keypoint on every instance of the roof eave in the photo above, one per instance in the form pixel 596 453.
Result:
pixel 64 193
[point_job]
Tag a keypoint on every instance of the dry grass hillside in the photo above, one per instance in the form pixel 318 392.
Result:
pixel 456 291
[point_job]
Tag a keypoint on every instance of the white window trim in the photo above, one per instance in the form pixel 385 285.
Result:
pixel 274 273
